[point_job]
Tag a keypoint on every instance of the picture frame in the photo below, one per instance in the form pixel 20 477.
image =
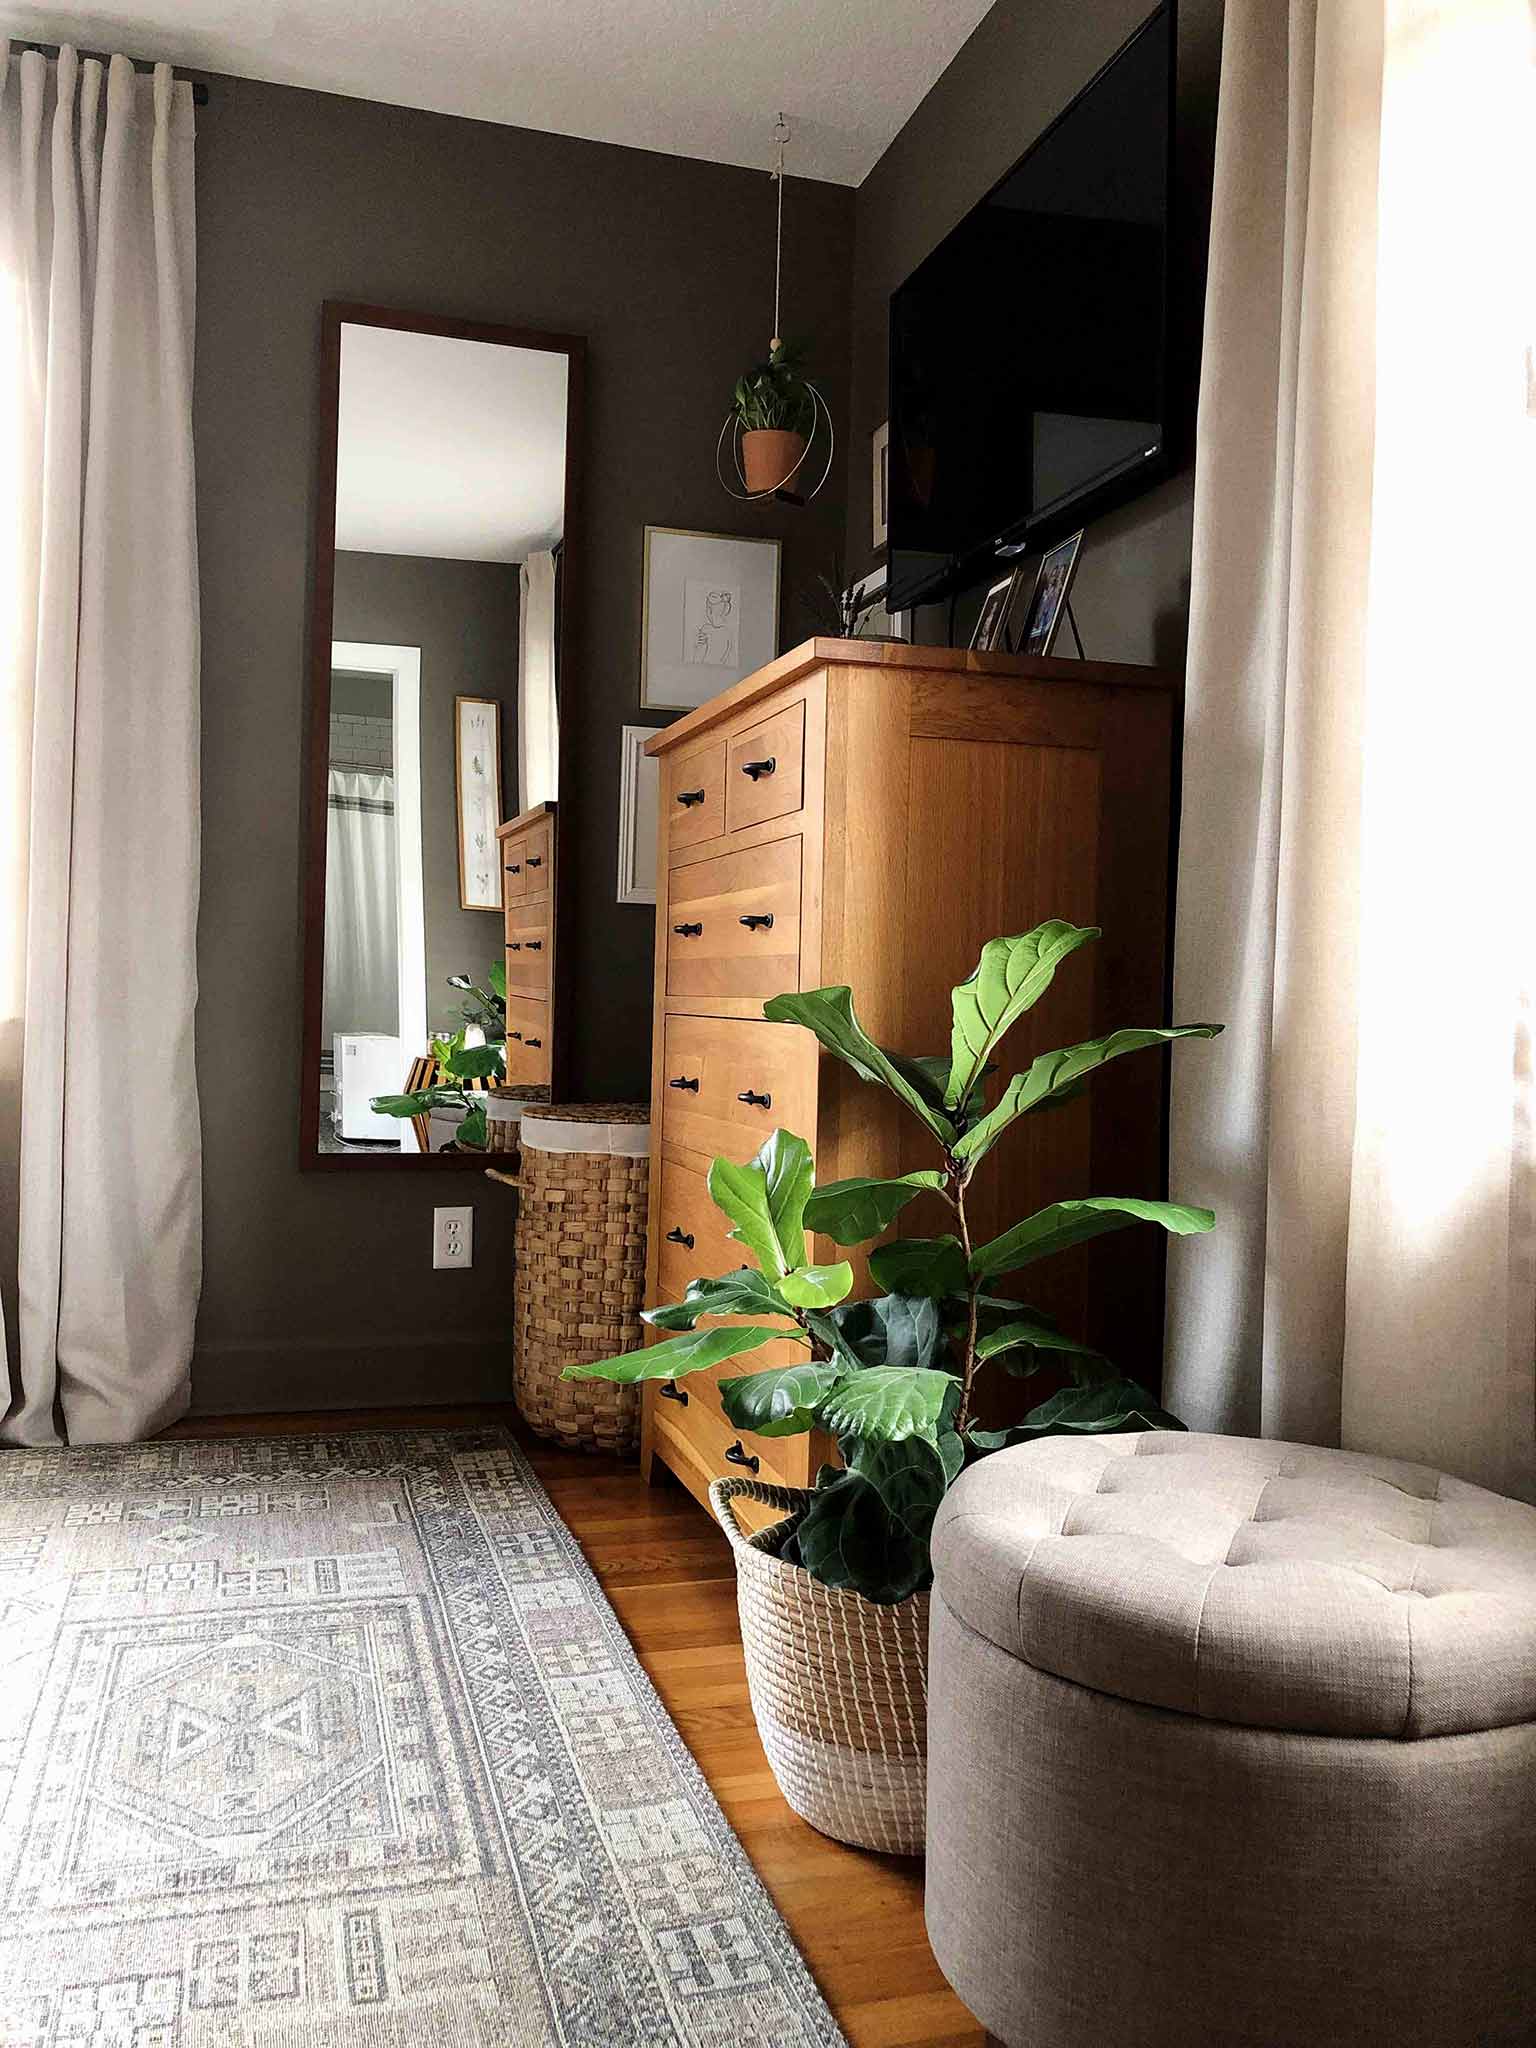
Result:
pixel 477 799
pixel 990 636
pixel 709 614
pixel 866 594
pixel 639 802
pixel 1048 601
pixel 880 483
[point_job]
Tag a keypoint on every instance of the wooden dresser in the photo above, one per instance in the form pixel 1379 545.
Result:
pixel 529 847
pixel 873 814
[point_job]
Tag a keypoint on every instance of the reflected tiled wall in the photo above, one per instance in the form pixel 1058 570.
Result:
pixel 358 742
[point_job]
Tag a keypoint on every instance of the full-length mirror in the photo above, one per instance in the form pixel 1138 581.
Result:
pixel 442 565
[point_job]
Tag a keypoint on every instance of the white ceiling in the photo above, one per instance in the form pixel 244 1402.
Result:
pixel 448 448
pixel 697 78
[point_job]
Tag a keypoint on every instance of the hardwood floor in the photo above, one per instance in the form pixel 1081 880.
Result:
pixel 858 1918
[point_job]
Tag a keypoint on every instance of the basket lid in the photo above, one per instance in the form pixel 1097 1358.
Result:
pixel 623 1128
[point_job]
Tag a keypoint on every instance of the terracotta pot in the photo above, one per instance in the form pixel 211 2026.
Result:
pixel 768 455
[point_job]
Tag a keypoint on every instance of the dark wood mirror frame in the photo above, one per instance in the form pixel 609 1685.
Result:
pixel 335 315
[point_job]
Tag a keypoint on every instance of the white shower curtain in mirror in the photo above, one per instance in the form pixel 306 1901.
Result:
pixel 1356 852
pixel 538 711
pixel 98 749
pixel 362 936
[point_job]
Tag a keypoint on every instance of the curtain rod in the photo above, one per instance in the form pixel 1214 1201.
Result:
pixel 199 92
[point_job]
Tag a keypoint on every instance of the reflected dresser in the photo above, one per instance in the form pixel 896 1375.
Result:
pixel 529 844
pixel 871 814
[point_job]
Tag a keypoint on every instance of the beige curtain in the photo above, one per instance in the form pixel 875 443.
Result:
pixel 98 748
pixel 538 704
pixel 1355 875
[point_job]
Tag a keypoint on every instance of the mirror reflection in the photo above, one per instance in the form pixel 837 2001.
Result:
pixel 443 710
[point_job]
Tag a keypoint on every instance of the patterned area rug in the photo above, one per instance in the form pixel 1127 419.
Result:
pixel 334 1740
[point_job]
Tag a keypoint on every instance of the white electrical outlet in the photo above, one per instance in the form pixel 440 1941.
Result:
pixel 453 1237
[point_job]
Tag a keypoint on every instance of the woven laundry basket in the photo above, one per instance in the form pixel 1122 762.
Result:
pixel 583 1182
pixel 839 1685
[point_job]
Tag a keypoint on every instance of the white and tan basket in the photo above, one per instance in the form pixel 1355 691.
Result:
pixel 839 1685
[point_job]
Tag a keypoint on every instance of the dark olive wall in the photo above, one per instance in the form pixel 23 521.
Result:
pixel 1020 67
pixel 463 617
pixel 318 1288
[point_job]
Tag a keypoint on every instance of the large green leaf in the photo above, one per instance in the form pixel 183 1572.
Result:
pixel 497 977
pixel 765 1199
pixel 477 1062
pixel 1030 1337
pixel 868 1526
pixel 1057 1076
pixel 828 1013
pixel 818 1286
pixel 418 1102
pixel 472 1133
pixel 1064 1224
pixel 694 1351
pixel 1010 977
pixel 746 1292
pixel 892 1329
pixel 933 1266
pixel 1111 1408
pixel 849 1211
pixel 781 1403
pixel 885 1403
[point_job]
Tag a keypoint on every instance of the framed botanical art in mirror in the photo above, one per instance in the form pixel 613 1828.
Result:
pixel 445 556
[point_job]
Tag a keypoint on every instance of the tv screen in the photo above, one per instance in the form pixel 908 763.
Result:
pixel 1029 352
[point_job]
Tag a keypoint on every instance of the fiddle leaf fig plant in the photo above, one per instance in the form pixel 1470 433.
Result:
pixel 893 1378
pixel 459 1062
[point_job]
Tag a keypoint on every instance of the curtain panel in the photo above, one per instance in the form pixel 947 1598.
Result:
pixel 1355 857
pixel 99 674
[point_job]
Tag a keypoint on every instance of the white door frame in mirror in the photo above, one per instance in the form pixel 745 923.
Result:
pixel 639 783
pixel 402 665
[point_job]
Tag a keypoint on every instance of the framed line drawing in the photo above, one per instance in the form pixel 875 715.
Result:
pixel 477 799
pixel 709 614
pixel 639 798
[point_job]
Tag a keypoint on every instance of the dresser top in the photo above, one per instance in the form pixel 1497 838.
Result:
pixel 898 655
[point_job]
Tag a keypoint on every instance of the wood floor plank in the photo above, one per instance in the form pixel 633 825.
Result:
pixel 667 1571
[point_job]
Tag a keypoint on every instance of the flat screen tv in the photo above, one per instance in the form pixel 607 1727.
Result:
pixel 1029 352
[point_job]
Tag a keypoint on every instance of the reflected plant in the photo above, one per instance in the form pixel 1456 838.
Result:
pixel 460 1062
pixel 893 1379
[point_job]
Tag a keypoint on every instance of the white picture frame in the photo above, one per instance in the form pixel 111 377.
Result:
pixel 709 614
pixel 477 799
pixel 881 622
pixel 639 802
pixel 880 484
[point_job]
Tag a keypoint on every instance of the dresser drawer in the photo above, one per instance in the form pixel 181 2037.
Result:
pixel 700 1435
pixel 734 923
pixel 527 1040
pixel 765 769
pixel 539 856
pixel 514 871
pixel 527 957
pixel 695 796
pixel 693 1236
pixel 731 1082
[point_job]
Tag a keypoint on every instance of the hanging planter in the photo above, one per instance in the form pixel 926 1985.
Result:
pixel 779 429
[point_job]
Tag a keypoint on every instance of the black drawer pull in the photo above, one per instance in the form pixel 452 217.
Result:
pixel 533 1041
pixel 669 1390
pixel 762 921
pixel 535 945
pixel 514 945
pixel 517 1035
pixel 739 1455
pixel 535 860
pixel 690 796
pixel 680 1237
pixel 515 868
pixel 688 931
pixel 755 1101
pixel 682 1081
pixel 757 769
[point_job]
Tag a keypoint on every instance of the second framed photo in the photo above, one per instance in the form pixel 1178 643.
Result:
pixel 710 614
pixel 1048 604
pixel 477 788
pixel 991 634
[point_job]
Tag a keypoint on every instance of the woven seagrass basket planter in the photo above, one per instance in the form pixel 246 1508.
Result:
pixel 839 1685
pixel 580 1279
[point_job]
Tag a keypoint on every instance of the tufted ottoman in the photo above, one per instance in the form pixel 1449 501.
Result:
pixel 1233 1743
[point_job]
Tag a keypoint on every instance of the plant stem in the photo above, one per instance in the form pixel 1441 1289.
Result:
pixel 968 1374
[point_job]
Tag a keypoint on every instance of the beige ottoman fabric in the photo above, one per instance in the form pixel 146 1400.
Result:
pixel 1233 1743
